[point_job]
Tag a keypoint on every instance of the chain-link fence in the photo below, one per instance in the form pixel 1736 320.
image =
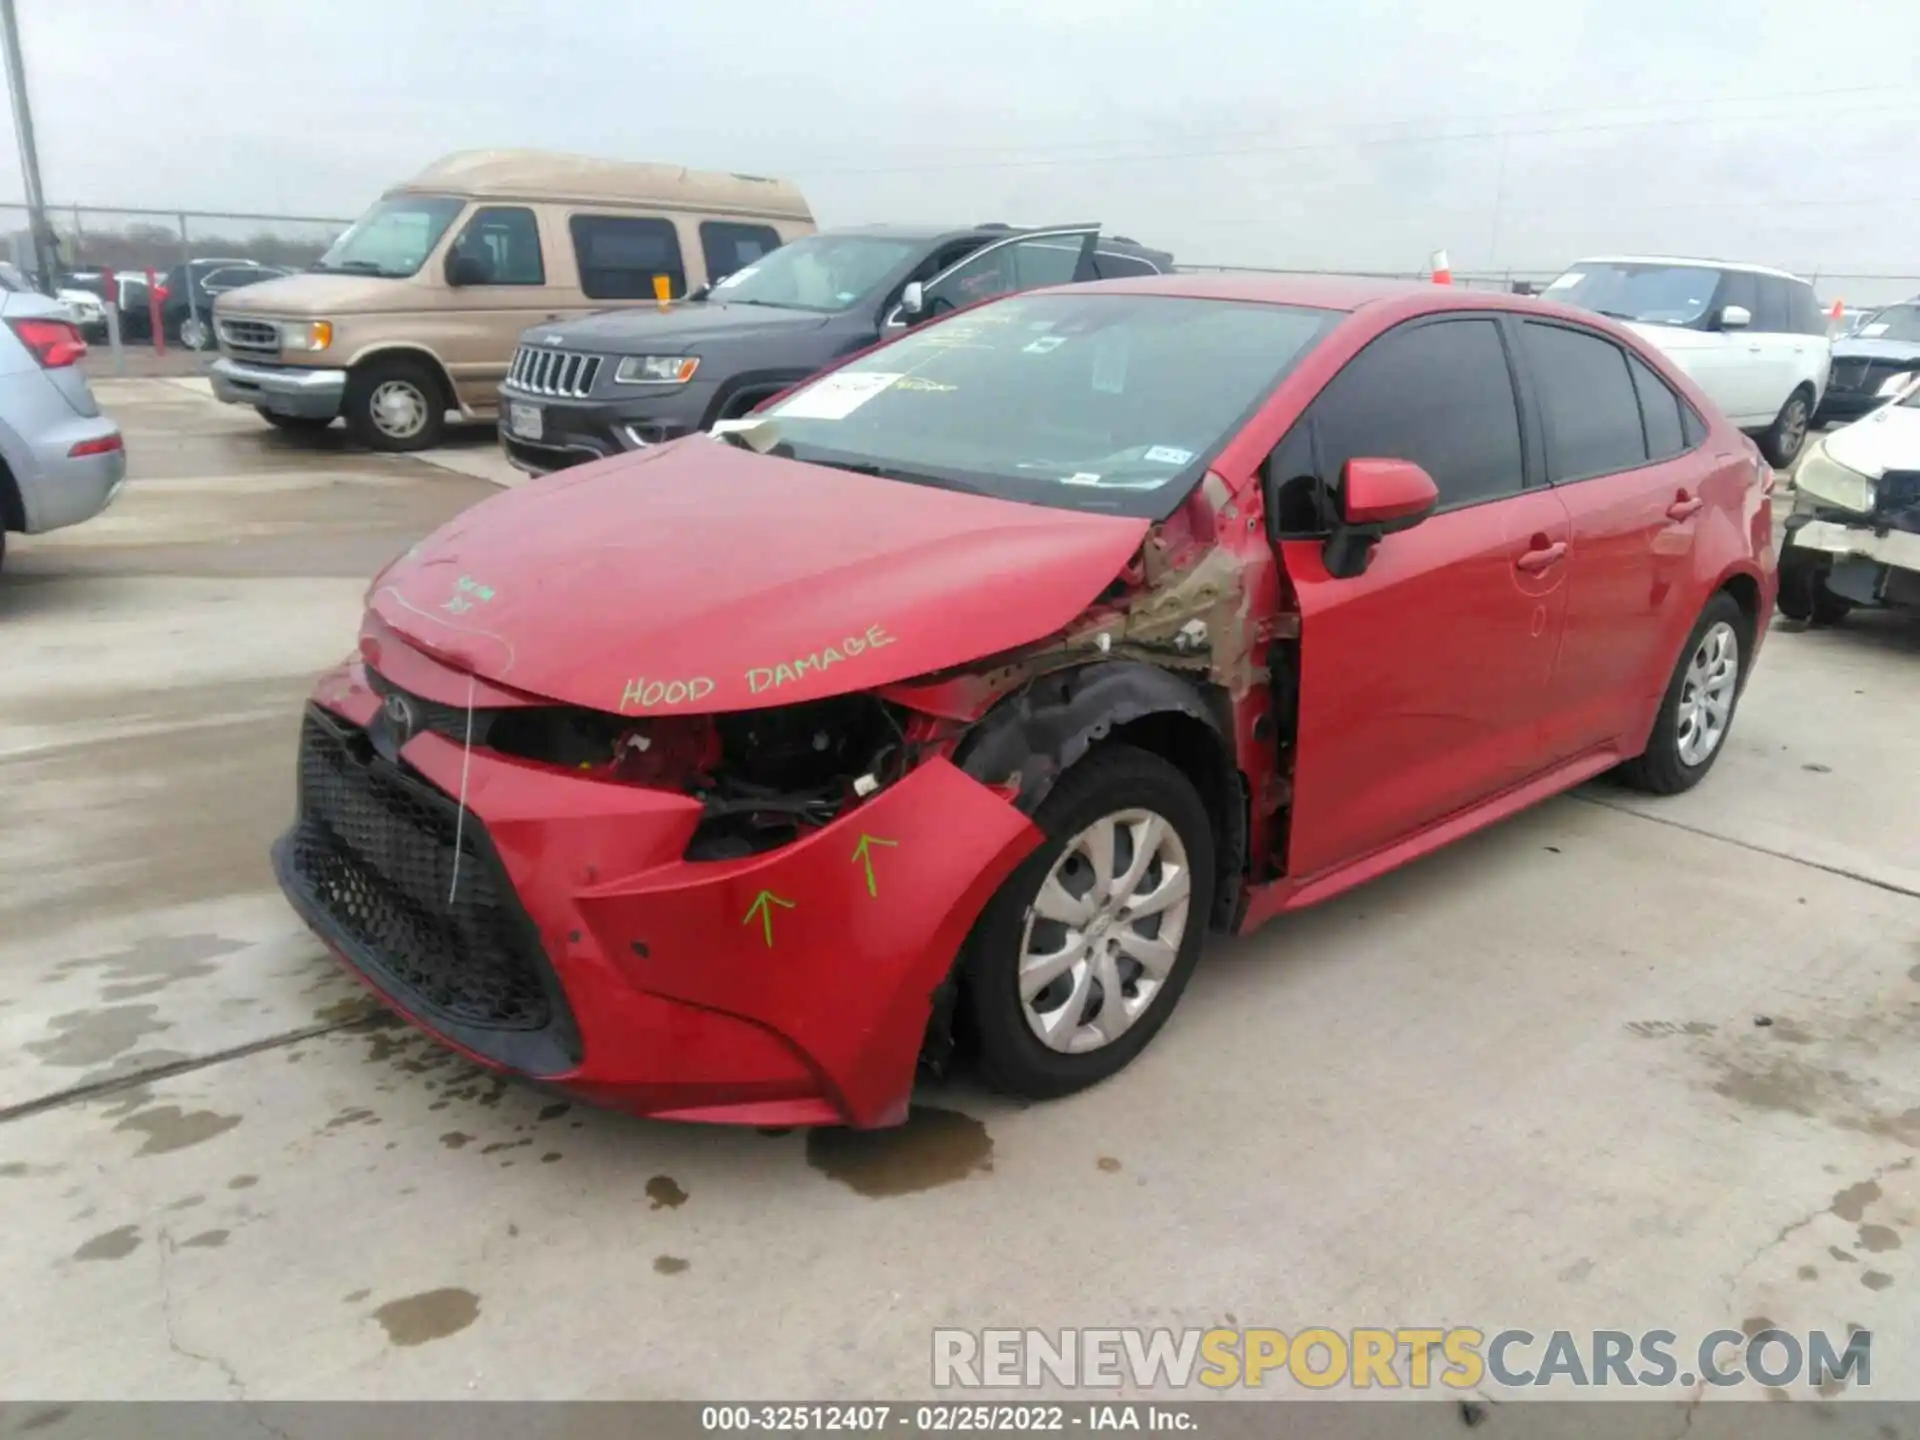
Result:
pixel 155 273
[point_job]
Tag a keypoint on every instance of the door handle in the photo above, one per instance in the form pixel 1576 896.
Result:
pixel 1684 508
pixel 1537 560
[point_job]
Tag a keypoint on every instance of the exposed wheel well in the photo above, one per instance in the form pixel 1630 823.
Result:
pixel 1745 591
pixel 13 510
pixel 407 352
pixel 1198 752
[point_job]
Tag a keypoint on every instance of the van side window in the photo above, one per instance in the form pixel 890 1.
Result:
pixel 505 239
pixel 729 246
pixel 619 255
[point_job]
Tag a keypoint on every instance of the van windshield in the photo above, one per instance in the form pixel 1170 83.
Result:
pixel 822 273
pixel 394 238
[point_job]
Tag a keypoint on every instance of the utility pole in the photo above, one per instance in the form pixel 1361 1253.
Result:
pixel 37 225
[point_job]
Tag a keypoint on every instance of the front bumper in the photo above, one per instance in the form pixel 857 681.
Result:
pixel 776 989
pixel 574 432
pixel 282 389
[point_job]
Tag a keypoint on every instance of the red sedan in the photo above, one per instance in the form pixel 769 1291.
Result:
pixel 967 687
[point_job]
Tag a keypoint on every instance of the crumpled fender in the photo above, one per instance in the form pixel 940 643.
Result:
pixel 836 942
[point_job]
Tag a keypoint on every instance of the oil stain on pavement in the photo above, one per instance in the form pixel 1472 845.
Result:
pixel 935 1147
pixel 168 1127
pixel 114 1245
pixel 664 1193
pixel 430 1315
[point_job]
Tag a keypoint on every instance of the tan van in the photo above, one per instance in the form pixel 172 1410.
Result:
pixel 415 311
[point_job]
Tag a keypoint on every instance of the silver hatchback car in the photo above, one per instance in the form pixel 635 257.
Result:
pixel 61 460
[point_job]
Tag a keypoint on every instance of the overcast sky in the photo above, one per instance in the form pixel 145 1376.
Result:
pixel 1358 133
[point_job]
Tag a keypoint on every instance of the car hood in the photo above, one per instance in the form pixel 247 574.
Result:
pixel 1888 439
pixel 1858 349
pixel 676 329
pixel 320 295
pixel 1673 339
pixel 702 577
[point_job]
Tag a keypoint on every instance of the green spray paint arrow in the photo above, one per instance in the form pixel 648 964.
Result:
pixel 762 906
pixel 862 853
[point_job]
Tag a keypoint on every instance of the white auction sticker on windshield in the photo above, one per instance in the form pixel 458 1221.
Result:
pixel 1168 455
pixel 1081 477
pixel 836 396
pixel 735 278
pixel 1867 332
pixel 1043 344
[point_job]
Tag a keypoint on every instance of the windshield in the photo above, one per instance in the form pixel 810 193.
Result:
pixel 1896 322
pixel 1653 294
pixel 394 238
pixel 823 273
pixel 1084 401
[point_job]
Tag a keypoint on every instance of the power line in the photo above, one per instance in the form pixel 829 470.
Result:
pixel 1441 137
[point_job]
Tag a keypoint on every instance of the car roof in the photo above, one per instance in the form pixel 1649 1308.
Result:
pixel 1694 260
pixel 1321 292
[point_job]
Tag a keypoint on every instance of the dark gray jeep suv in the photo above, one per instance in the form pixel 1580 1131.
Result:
pixel 604 384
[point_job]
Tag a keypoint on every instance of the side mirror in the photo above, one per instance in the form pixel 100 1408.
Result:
pixel 1735 317
pixel 465 270
pixel 1376 498
pixel 913 301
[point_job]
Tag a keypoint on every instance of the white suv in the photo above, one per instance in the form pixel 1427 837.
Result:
pixel 1751 337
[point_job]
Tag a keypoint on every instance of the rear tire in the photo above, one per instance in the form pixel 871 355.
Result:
pixel 1698 706
pixel 1138 799
pixel 295 424
pixel 1783 439
pixel 396 405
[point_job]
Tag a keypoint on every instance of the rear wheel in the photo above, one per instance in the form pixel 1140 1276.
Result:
pixel 1697 710
pixel 1782 441
pixel 396 405
pixel 295 424
pixel 1080 958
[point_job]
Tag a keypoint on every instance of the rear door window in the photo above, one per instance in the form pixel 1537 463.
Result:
pixel 1804 310
pixel 1587 400
pixel 1775 315
pixel 728 246
pixel 1008 266
pixel 1439 394
pixel 1114 265
pixel 1737 288
pixel 619 255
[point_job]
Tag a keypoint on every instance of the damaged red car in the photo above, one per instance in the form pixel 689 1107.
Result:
pixel 957 695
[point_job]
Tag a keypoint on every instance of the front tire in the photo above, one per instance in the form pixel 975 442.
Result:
pixel 1696 712
pixel 1079 959
pixel 1804 595
pixel 1782 441
pixel 396 405
pixel 194 334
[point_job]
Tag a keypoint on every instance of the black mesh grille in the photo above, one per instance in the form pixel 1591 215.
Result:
pixel 374 852
pixel 1867 375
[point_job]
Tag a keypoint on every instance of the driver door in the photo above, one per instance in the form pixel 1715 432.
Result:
pixel 1024 260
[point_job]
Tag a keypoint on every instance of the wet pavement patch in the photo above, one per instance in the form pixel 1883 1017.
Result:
pixel 664 1193
pixel 1878 1239
pixel 935 1147
pixel 1108 1164
pixel 152 964
pixel 243 1182
pixel 1877 1280
pixel 430 1315
pixel 1851 1203
pixel 93 1037
pixel 206 1240
pixel 671 1265
pixel 113 1245
pixel 168 1127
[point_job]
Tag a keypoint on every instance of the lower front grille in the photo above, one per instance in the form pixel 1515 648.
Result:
pixel 373 860
pixel 262 336
pixel 1866 375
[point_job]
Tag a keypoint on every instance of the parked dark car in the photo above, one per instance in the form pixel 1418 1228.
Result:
pixel 617 381
pixel 1884 345
pixel 186 324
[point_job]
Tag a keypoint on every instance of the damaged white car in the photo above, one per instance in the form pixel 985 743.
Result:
pixel 1854 535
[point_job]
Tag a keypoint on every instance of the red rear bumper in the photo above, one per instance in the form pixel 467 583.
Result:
pixel 791 987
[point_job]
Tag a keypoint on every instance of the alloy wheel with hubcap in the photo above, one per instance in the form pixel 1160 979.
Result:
pixel 396 403
pixel 1707 694
pixel 1081 955
pixel 1788 433
pixel 1102 935
pixel 398 409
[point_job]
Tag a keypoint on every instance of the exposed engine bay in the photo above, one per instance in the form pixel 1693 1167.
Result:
pixel 764 777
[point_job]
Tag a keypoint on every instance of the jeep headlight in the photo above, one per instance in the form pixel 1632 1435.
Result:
pixel 306 334
pixel 1826 479
pixel 656 369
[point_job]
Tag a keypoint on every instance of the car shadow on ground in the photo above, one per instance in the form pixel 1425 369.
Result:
pixel 1868 632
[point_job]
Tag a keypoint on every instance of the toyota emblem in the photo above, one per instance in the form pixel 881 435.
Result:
pixel 400 717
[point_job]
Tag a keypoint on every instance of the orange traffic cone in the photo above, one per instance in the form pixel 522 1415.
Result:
pixel 1442 271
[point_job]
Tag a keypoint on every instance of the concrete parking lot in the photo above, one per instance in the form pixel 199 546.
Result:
pixel 1617 1063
